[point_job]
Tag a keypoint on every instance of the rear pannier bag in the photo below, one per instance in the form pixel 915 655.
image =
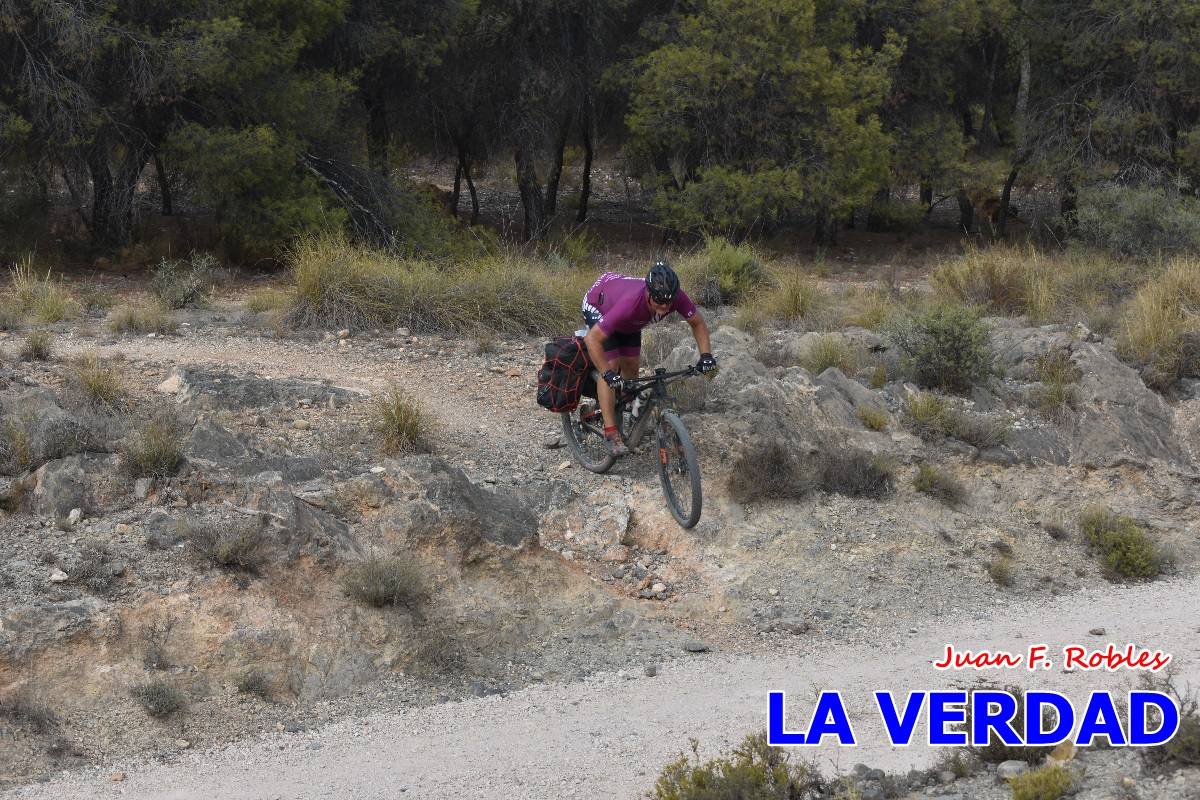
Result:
pixel 563 376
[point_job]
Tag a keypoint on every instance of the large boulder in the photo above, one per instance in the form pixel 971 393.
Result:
pixel 88 481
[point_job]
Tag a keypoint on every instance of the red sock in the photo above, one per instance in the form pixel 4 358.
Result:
pixel 610 431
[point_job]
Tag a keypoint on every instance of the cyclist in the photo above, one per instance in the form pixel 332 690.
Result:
pixel 616 309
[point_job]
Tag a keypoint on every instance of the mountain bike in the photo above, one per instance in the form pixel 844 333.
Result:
pixel 678 469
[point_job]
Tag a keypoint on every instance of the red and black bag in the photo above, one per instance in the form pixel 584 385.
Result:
pixel 565 375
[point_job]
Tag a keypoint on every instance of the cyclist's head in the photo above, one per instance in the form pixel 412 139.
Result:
pixel 662 282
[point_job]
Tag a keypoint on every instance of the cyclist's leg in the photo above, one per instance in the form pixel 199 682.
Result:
pixel 604 395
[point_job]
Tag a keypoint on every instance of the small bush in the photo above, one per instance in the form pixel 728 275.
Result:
pixel 1184 746
pixel 830 351
pixel 575 249
pixel 155 448
pixel 724 272
pixel 925 414
pixel 944 348
pixel 958 762
pixel 95 298
pixel 38 346
pixel 269 299
pixel 1005 279
pixel 236 547
pixel 753 770
pixel 1160 321
pixel 768 473
pixel 22 707
pixel 1057 395
pixel 16 450
pixel 1125 551
pixel 379 582
pixel 977 430
pixel 11 318
pixel 871 309
pixel 184 283
pixel 255 683
pixel 796 297
pixel 1051 782
pixel 1000 570
pixel 96 384
pixel 96 569
pixel 147 318
pixel 158 698
pixel 939 484
pixel 853 473
pixel 873 418
pixel 932 417
pixel 400 423
pixel 41 297
pixel 1128 221
pixel 879 377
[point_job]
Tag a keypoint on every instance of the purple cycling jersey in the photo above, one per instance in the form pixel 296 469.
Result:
pixel 620 302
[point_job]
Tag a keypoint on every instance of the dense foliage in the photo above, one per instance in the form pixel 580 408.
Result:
pixel 276 117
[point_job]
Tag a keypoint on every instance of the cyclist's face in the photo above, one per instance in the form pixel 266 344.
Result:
pixel 660 309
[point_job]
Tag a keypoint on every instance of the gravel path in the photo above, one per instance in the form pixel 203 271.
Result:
pixel 608 736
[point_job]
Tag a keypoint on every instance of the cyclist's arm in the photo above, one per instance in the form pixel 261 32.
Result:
pixel 594 341
pixel 699 331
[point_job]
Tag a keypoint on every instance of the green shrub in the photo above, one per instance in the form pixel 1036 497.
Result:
pixel 230 546
pixel 939 484
pixel 895 215
pixel 1184 747
pixel 1125 551
pixel 180 283
pixel 793 298
pixel 155 448
pixel 830 351
pixel 1160 325
pixel 41 297
pixel 1010 280
pixel 753 770
pixel 575 249
pixel 158 698
pixel 97 384
pixel 1051 782
pixel 945 348
pixel 269 299
pixel 24 708
pixel 723 272
pixel 145 318
pixel 1137 222
pixel 95 298
pixel 873 418
pixel 16 449
pixel 925 414
pixel 400 423
pixel 379 582
pixel 38 346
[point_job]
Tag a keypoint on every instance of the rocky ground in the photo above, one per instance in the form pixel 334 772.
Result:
pixel 535 571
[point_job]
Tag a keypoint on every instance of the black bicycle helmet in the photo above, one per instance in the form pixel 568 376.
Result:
pixel 662 282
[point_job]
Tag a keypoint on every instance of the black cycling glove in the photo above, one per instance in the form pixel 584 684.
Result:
pixel 612 379
pixel 707 363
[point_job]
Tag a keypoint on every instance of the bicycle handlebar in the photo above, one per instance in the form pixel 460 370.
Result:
pixel 648 379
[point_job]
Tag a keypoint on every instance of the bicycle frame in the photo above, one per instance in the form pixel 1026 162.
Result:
pixel 656 387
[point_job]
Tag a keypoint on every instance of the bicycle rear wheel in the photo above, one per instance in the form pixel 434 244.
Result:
pixel 679 470
pixel 585 438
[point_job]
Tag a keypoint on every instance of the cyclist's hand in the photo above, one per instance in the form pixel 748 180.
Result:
pixel 613 380
pixel 707 363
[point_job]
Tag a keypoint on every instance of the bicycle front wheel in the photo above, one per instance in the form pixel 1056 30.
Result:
pixel 679 470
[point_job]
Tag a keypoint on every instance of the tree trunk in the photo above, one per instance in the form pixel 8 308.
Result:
pixel 966 212
pixel 560 146
pixel 875 221
pixel 112 197
pixel 454 195
pixel 471 189
pixel 987 132
pixel 1068 203
pixel 1002 212
pixel 826 229
pixel 585 184
pixel 926 194
pixel 532 200
pixel 164 187
pixel 377 133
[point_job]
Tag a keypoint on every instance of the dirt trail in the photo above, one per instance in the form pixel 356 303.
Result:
pixel 608 736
